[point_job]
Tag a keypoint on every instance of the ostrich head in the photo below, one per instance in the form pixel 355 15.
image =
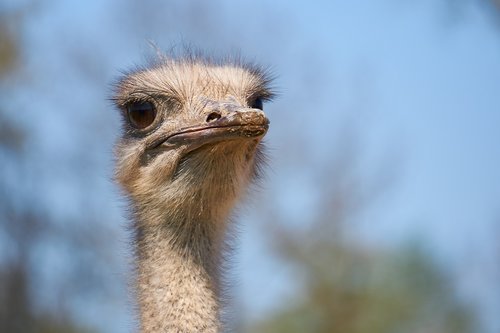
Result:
pixel 191 136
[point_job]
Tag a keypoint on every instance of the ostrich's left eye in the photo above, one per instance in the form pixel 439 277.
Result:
pixel 141 114
pixel 257 104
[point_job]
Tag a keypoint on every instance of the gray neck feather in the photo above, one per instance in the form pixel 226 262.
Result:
pixel 177 272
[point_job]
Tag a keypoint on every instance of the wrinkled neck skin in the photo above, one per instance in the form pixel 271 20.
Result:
pixel 177 276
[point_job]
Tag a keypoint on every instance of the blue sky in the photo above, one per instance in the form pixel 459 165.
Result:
pixel 430 97
pixel 418 83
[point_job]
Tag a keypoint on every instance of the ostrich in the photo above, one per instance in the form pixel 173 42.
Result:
pixel 190 147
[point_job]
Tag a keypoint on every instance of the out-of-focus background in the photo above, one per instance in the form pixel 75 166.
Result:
pixel 381 207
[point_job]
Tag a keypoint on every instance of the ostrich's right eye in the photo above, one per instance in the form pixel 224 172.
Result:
pixel 141 114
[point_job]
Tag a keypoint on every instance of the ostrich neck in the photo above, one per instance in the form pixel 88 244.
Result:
pixel 177 275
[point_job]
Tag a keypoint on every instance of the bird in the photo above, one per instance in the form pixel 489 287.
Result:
pixel 189 149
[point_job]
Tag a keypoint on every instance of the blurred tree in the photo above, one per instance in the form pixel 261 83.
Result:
pixel 22 225
pixel 354 290
pixel 8 49
pixel 349 286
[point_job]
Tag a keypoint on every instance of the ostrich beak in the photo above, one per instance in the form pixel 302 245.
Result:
pixel 240 124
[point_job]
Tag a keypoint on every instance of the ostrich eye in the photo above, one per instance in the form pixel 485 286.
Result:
pixel 257 104
pixel 141 114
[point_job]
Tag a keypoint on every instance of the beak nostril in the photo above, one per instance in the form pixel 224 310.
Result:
pixel 213 116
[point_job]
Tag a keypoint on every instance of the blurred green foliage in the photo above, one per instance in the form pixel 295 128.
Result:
pixel 17 313
pixel 8 49
pixel 350 289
